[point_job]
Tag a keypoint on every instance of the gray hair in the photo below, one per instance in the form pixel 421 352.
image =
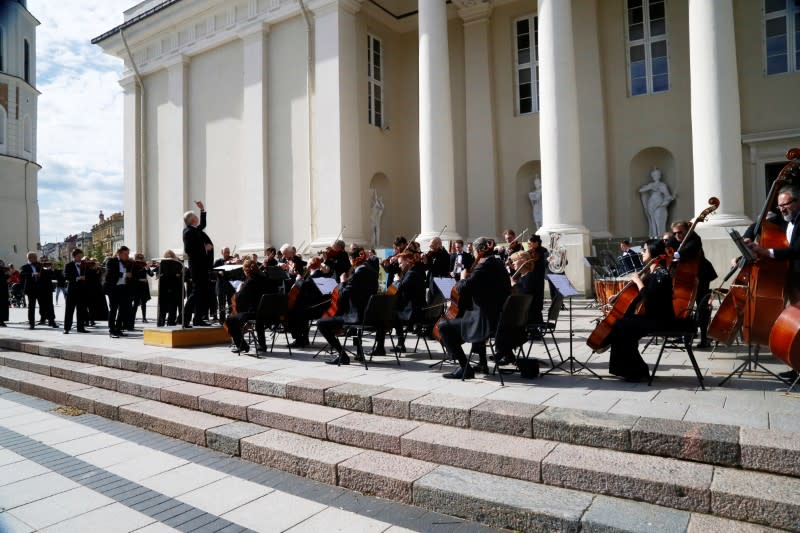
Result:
pixel 793 190
pixel 187 217
pixel 481 244
pixel 285 246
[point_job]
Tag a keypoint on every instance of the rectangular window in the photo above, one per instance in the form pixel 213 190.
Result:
pixel 781 36
pixel 375 100
pixel 526 64
pixel 646 35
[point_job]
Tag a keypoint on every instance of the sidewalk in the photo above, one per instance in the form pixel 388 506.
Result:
pixel 86 473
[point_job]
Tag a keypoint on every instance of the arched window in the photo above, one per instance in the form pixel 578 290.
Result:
pixel 27 61
pixel 3 122
pixel 27 132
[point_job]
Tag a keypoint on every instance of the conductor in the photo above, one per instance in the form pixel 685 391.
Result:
pixel 197 245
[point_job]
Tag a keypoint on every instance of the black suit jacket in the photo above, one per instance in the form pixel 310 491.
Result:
pixel 194 244
pixel 488 286
pixel 71 274
pixel 356 291
pixel 692 249
pixel 250 293
pixel 466 260
pixel 411 294
pixel 339 262
pixel 112 274
pixel 30 284
pixel 439 264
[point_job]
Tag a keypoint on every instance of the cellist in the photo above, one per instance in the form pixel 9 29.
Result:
pixel 655 294
pixel 250 292
pixel 410 299
pixel 307 305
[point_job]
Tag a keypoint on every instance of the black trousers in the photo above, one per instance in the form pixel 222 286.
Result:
pixel 329 327
pixel 237 321
pixel 625 360
pixel 703 309
pixel 380 335
pixel 46 310
pixel 197 302
pixel 452 340
pixel 119 303
pixel 76 301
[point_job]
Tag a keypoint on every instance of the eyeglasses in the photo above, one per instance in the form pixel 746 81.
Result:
pixel 787 204
pixel 678 232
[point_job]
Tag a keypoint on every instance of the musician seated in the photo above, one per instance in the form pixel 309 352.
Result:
pixel 308 304
pixel 336 260
pixel 390 265
pixel 655 295
pixel 410 300
pixel 354 294
pixel 247 299
pixel 460 260
pixel 487 286
pixel 526 280
pixel 269 259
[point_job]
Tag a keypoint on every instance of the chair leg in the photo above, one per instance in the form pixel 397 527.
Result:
pixel 555 343
pixel 286 336
pixel 658 360
pixel 272 346
pixel 688 345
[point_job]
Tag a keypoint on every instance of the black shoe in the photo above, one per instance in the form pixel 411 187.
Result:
pixel 506 360
pixel 789 374
pixel 32 326
pixel 42 322
pixel 159 324
pixel 66 332
pixel 201 323
pixel 52 324
pixel 187 326
pixel 92 323
pixel 298 343
pixel 3 325
pixel 262 348
pixel 121 333
pixel 113 334
pixel 482 368
pixel 400 348
pixel 378 351
pixel 460 373
pixel 82 330
pixel 341 360
pixel 244 347
pixel 702 345
pixel 144 320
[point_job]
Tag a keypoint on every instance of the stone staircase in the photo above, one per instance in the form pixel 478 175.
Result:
pixel 509 465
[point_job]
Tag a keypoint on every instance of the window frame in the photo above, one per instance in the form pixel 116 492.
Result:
pixel 789 13
pixel 3 129
pixel 647 42
pixel 373 118
pixel 533 64
pixel 26 61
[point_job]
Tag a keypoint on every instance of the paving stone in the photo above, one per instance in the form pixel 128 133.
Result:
pixel 69 370
pixel 353 396
pixel 773 451
pixel 297 454
pixel 235 377
pixel 101 402
pixel 696 441
pixel 27 362
pixel 152 365
pixel 590 428
pixel 311 390
pixel 229 403
pixel 93 356
pixel 170 420
pixel 192 371
pixel 493 453
pixel 613 514
pixel 186 394
pixel 499 416
pixel 446 409
pixel 10 378
pixel 29 347
pixel 659 480
pixel 226 438
pixel 756 497
pixel 72 353
pixel 47 388
pixel 703 523
pixel 395 402
pixel 500 502
pixel 145 385
pixel 271 384
pixel 105 378
pixel 112 361
pixel 382 474
pixel 297 417
pixel 370 431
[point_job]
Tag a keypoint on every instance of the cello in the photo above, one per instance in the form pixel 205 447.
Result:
pixel 333 309
pixel 453 310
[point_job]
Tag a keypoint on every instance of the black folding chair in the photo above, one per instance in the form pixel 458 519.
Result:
pixel 378 314
pixel 272 311
pixel 539 331
pixel 423 327
pixel 680 334
pixel 513 321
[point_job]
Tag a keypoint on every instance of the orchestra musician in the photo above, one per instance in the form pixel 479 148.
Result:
pixel 250 292
pixel 119 277
pixel 290 261
pixel 223 290
pixel 197 246
pixel 655 295
pixel 460 260
pixel 512 244
pixel 437 260
pixel 308 304
pixel 487 286
pixel 75 274
pixel 169 290
pixel 390 264
pixel 789 207
pixel 524 281
pixel 706 274
pixel 140 289
pixel 336 260
pixel 269 259
pixel 96 303
pixel 410 300
pixel 354 293
pixel 38 287
pixel 5 301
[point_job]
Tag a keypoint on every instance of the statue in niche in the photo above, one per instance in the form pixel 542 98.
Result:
pixel 655 200
pixel 535 197
pixel 375 216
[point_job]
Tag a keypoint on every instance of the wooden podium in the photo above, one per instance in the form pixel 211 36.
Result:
pixel 181 338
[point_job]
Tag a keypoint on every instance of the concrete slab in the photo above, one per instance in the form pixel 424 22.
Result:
pixel 105 403
pixel 177 422
pixel 297 417
pixel 226 438
pixel 353 396
pixel 236 378
pixel 590 428
pixel 229 403
pixel 755 497
pixel 381 474
pixel 186 394
pixel 705 443
pixel 511 418
pixel 145 385
pixel 614 514
pixel 444 409
pixel 310 390
pixel 772 451
pixel 395 402
pixel 703 523
pixel 272 384
pixel 370 431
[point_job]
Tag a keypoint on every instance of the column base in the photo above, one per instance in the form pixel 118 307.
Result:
pixel 576 243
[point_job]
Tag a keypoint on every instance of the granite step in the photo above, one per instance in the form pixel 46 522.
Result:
pixel 183 383
pixel 521 475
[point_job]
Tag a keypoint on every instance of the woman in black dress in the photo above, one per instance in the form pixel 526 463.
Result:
pixel 655 297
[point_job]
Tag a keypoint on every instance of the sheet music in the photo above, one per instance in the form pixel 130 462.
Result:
pixel 325 285
pixel 445 285
pixel 745 250
pixel 563 285
pixel 228 268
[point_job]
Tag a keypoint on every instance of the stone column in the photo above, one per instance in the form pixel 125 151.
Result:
pixel 131 162
pixel 436 159
pixel 562 209
pixel 340 195
pixel 716 125
pixel 254 235
pixel 481 150
pixel 176 147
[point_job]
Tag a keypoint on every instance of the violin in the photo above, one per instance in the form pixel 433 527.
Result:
pixel 333 310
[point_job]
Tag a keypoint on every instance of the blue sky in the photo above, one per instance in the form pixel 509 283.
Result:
pixel 80 115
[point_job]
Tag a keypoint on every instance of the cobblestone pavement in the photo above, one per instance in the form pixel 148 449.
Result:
pixel 85 473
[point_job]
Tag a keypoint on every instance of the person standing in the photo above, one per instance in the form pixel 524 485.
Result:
pixel 197 245
pixel 4 299
pixel 223 290
pixel 75 297
pixel 140 290
pixel 119 276
pixel 35 288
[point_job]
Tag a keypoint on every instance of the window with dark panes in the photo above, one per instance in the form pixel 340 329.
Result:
pixel 375 103
pixel 648 54
pixel 781 36
pixel 526 64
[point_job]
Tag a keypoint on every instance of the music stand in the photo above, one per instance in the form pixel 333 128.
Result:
pixel 598 270
pixel 751 363
pixel 567 290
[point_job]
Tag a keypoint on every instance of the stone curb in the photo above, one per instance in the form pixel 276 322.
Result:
pixel 698 442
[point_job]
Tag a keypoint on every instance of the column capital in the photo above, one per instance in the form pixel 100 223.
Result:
pixel 254 31
pixel 324 7
pixel 179 60
pixel 128 84
pixel 472 11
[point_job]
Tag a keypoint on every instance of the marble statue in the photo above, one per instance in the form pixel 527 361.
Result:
pixel 375 217
pixel 655 200
pixel 535 197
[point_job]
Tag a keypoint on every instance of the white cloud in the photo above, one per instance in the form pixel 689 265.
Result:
pixel 80 115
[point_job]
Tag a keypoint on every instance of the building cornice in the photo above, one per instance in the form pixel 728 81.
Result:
pixel 774 135
pixel 10 77
pixel 21 160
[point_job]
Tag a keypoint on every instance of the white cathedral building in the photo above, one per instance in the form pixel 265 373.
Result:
pixel 285 115
pixel 19 208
